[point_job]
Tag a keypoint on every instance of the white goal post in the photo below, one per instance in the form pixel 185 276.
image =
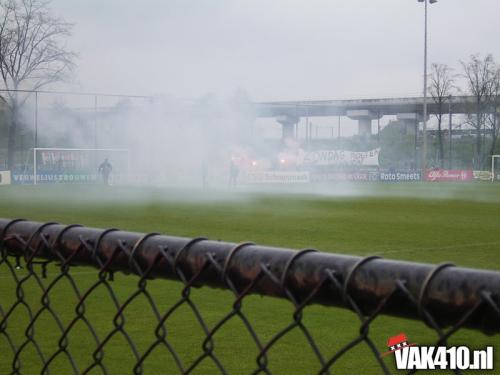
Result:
pixel 493 157
pixel 78 164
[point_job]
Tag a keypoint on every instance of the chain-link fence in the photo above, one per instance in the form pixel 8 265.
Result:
pixel 60 315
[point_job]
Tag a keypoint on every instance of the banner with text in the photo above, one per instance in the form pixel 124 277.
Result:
pixel 57 161
pixel 340 157
pixel 482 175
pixel 277 177
pixel 27 178
pixel 449 175
pixel 66 178
pixel 400 176
pixel 343 176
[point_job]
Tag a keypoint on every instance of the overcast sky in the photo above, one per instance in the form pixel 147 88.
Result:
pixel 274 49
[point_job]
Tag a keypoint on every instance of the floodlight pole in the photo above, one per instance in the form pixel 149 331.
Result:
pixel 36 119
pixel 424 145
pixel 95 121
pixel 450 126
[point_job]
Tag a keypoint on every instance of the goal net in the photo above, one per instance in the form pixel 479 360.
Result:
pixel 72 165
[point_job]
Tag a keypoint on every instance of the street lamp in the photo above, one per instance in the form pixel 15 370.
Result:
pixel 424 146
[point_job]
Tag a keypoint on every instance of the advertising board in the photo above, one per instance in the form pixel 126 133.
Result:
pixel 277 177
pixel 400 176
pixel 27 178
pixel 340 157
pixel 439 175
pixel 343 176
pixel 482 175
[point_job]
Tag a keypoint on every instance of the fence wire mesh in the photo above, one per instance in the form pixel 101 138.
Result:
pixel 59 317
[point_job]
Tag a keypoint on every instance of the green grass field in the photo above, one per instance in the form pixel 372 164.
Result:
pixel 416 222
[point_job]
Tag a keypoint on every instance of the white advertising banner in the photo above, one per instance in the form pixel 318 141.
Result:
pixel 482 175
pixel 4 177
pixel 277 177
pixel 341 157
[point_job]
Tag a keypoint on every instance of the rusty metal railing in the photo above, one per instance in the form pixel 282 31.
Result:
pixel 445 297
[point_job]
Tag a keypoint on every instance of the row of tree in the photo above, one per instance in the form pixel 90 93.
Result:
pixel 32 56
pixel 480 79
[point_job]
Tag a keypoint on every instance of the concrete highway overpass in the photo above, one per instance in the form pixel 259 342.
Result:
pixel 408 110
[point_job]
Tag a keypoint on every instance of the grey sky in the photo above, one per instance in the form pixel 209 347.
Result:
pixel 274 49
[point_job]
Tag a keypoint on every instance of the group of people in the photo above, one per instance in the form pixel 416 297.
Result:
pixel 105 169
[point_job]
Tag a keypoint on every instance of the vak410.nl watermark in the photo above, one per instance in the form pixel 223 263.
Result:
pixel 410 356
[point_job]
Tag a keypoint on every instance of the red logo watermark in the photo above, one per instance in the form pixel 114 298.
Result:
pixel 397 342
pixel 410 356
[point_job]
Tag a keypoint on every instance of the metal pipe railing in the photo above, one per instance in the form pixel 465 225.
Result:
pixel 442 295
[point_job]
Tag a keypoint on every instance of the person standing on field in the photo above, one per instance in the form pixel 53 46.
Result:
pixel 233 174
pixel 105 170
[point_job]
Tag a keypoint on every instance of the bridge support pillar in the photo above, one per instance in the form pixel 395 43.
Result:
pixel 365 126
pixel 410 122
pixel 288 124
pixel 364 117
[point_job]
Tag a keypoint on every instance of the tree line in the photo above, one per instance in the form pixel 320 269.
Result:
pixel 33 55
pixel 479 78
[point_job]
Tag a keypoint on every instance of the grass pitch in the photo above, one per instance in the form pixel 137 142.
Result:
pixel 417 222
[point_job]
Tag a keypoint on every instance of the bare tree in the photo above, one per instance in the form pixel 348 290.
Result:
pixel 494 104
pixel 479 75
pixel 441 85
pixel 32 54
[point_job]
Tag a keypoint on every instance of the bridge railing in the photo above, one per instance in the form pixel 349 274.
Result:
pixel 45 257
